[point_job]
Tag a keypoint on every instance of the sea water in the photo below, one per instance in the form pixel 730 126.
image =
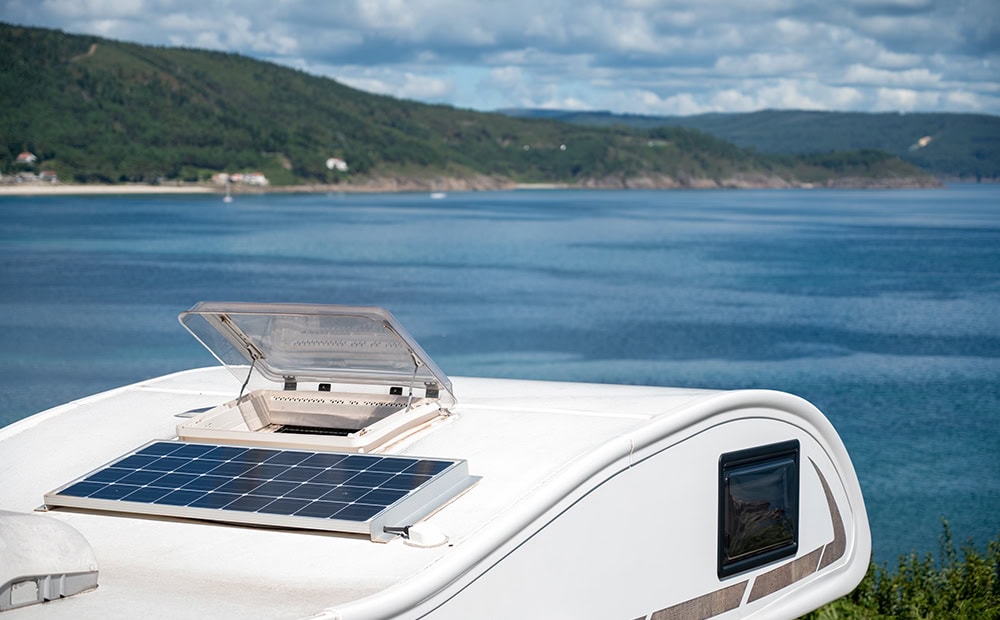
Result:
pixel 880 307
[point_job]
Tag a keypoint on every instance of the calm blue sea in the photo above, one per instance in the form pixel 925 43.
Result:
pixel 881 307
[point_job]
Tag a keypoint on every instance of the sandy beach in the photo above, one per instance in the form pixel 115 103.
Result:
pixel 68 189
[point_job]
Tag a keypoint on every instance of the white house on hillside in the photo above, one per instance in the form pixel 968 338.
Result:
pixel 336 163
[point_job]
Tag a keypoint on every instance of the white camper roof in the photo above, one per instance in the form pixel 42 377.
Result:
pixel 518 436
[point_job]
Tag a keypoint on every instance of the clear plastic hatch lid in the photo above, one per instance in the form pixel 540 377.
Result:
pixel 289 343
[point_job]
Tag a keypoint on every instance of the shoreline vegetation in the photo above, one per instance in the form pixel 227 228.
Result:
pixel 449 184
pixel 924 587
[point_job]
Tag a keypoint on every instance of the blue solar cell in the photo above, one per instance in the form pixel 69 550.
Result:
pixel 370 479
pixel 198 466
pixel 390 465
pixel 250 503
pixel 382 497
pixel 275 488
pixel 406 482
pixel 299 474
pixel 191 450
pixel 240 485
pixel 258 485
pixel 159 449
pixel 114 491
pixel 346 494
pixel 146 495
pixel 141 477
pixel 173 481
pixel 285 506
pixel 223 453
pixel 83 489
pixel 214 500
pixel 309 491
pixel 358 512
pixel 333 476
pixel 266 472
pixel 136 461
pixel 255 455
pixel 181 497
pixel 232 468
pixel 110 474
pixel 321 510
pixel 357 462
pixel 425 467
pixel 323 460
pixel 165 463
pixel 288 457
pixel 206 483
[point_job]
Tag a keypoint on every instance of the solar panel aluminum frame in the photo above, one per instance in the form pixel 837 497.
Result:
pixel 419 503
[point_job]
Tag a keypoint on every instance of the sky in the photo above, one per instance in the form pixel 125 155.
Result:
pixel 647 57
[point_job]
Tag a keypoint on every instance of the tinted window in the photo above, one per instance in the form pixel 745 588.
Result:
pixel 758 506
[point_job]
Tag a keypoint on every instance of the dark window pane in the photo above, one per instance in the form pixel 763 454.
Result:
pixel 758 506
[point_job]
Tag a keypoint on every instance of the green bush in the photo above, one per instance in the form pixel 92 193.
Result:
pixel 922 589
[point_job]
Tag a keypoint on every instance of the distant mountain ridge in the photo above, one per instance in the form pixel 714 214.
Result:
pixel 948 145
pixel 97 110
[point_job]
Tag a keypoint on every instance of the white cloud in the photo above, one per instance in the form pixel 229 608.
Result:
pixel 792 31
pixel 683 104
pixel 904 99
pixel 762 64
pixel 731 100
pixel 891 60
pixel 628 32
pixel 964 100
pixel 645 56
pixel 406 85
pixel 396 15
pixel 506 77
pixel 426 87
pixel 790 94
pixel 649 103
pixel 89 9
pixel 750 96
pixel 567 103
pixel 367 83
pixel 185 22
pixel 861 74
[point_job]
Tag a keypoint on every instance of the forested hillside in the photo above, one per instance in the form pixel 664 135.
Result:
pixel 965 146
pixel 96 110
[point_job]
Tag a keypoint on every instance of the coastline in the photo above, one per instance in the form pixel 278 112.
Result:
pixel 482 183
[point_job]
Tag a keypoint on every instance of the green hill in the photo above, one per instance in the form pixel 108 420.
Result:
pixel 965 146
pixel 97 110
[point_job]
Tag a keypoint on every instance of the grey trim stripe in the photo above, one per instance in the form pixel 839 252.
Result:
pixel 728 598
pixel 835 549
pixel 704 606
pixel 785 575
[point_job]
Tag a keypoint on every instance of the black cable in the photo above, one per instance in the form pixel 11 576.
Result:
pixel 253 360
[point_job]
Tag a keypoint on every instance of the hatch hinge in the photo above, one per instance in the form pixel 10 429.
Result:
pixel 255 353
pixel 431 389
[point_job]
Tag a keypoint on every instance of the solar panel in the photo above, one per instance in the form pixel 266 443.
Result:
pixel 342 492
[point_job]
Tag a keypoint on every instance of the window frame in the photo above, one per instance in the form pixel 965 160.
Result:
pixel 744 461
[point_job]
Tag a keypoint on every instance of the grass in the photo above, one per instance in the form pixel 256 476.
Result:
pixel 925 589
